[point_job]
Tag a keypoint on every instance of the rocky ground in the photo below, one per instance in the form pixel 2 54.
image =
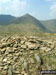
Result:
pixel 27 56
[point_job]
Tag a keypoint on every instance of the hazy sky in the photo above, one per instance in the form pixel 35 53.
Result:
pixel 41 9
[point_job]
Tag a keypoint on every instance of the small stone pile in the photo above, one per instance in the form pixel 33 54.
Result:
pixel 26 56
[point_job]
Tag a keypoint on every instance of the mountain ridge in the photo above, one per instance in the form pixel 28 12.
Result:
pixel 50 25
pixel 26 23
pixel 5 19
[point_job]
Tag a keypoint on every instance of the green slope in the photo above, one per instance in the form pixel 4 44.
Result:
pixel 23 25
pixel 29 20
pixel 20 29
pixel 50 25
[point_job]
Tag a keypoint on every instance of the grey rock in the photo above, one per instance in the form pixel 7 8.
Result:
pixel 26 66
pixel 37 58
pixel 10 71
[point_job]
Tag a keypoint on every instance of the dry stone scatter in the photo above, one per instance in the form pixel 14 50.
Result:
pixel 27 56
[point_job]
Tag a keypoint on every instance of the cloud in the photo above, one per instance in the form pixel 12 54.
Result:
pixel 13 6
pixel 16 6
pixel 53 10
pixel 4 1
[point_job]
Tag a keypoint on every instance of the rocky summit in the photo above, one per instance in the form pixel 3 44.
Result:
pixel 27 55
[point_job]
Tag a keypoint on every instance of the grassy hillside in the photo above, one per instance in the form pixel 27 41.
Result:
pixel 50 25
pixel 24 25
pixel 29 20
pixel 20 29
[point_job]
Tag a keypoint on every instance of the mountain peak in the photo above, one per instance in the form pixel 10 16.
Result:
pixel 27 15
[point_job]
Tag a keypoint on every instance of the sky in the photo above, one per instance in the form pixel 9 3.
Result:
pixel 41 9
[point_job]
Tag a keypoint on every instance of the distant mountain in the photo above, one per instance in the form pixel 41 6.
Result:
pixel 25 24
pixel 50 25
pixel 6 19
pixel 29 20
